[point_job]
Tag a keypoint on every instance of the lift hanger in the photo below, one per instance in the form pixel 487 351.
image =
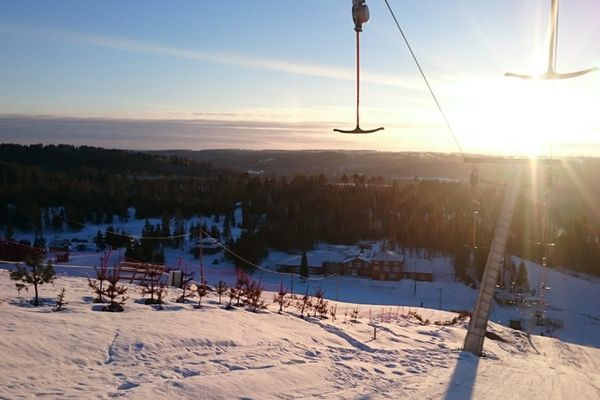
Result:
pixel 360 15
pixel 552 49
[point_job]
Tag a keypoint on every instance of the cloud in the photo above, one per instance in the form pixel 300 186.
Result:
pixel 134 45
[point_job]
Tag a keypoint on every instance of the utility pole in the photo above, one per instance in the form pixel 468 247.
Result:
pixel 474 239
pixel 201 258
pixel 415 278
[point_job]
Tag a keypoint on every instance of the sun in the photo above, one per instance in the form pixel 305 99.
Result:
pixel 519 118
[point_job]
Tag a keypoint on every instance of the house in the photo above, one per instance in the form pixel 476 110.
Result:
pixel 356 266
pixel 13 251
pixel 419 271
pixel 209 245
pixel 61 257
pixel 319 262
pixel 387 265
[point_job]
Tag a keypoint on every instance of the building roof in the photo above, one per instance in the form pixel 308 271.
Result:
pixel 388 256
pixel 315 258
pixel 360 257
pixel 419 266
pixel 208 242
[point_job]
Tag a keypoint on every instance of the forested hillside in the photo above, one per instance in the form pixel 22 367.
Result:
pixel 60 187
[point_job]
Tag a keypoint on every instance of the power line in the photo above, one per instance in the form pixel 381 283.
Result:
pixel 258 266
pixel 412 53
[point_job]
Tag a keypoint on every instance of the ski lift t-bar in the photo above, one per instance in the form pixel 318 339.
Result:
pixel 552 50
pixel 360 16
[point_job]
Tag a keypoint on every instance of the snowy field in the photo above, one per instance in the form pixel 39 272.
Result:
pixel 213 353
pixel 574 300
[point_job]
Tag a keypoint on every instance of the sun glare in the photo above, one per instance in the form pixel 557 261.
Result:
pixel 524 118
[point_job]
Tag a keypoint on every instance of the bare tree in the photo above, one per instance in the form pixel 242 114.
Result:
pixel 221 288
pixel 186 278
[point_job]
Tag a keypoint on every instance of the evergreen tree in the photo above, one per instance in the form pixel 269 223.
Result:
pixel 110 238
pixel 254 295
pixel 99 240
pixel 226 230
pixel 304 266
pixel 214 232
pixel 522 279
pixel 165 229
pixel 60 301
pixel 97 285
pixel 461 263
pixel 115 293
pixel 152 285
pixel 479 261
pixel 34 274
pixel 9 231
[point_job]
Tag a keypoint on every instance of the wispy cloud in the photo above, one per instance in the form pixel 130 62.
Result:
pixel 140 46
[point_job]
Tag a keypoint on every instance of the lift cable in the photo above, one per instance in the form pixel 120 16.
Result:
pixel 412 53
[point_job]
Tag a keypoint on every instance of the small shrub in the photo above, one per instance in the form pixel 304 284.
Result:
pixel 35 274
pixel 221 289
pixel 186 280
pixel 320 306
pixel 233 294
pixel 282 298
pixel 115 293
pixel 60 301
pixel 304 303
pixel 201 291
pixel 419 318
pixel 333 312
pixel 254 296
pixel 97 285
pixel 152 285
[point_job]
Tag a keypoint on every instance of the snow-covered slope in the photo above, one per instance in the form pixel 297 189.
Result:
pixel 182 352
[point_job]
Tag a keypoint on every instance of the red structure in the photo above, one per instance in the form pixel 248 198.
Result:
pixel 15 251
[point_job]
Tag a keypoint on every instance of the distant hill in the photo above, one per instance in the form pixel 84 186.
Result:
pixel 74 159
pixel 332 163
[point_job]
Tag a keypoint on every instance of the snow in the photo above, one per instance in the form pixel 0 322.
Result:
pixel 214 353
pixel 572 299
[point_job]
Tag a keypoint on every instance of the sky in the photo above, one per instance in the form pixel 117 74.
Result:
pixel 280 74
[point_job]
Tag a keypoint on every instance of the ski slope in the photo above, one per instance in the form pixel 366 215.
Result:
pixel 572 299
pixel 213 353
